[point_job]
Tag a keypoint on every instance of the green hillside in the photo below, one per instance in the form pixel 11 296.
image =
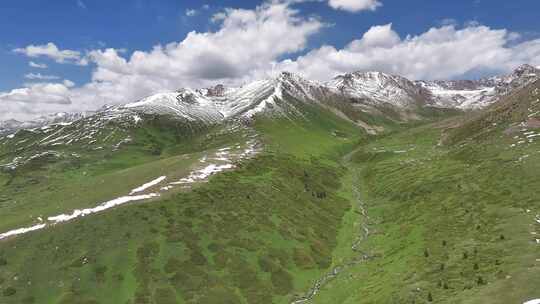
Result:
pixel 391 218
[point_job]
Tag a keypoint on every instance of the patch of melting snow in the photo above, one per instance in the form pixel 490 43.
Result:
pixel 222 155
pixel 535 301
pixel 148 185
pixel 107 205
pixel 21 231
pixel 65 123
pixel 203 173
pixel 136 118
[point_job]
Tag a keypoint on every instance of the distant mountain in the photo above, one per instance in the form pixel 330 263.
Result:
pixel 11 125
pixel 374 93
pixel 475 94
pixel 380 88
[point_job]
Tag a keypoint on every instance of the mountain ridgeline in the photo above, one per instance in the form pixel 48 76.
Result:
pixel 390 97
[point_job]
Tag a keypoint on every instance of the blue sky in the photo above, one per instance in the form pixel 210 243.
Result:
pixel 127 26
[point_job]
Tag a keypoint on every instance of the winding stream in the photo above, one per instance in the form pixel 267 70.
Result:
pixel 363 233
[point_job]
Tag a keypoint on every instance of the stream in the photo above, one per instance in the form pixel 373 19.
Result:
pixel 363 233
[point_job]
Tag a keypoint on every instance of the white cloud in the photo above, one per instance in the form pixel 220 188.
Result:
pixel 355 5
pixel 39 76
pixel 250 44
pixel 50 50
pixel 439 53
pixel 53 93
pixel 247 42
pixel 37 65
pixel 380 36
pixel 22 104
pixel 244 47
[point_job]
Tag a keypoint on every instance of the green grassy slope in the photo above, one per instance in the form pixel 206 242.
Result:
pixel 447 223
pixel 250 236
pixel 450 224
pixel 260 234
pixel 84 176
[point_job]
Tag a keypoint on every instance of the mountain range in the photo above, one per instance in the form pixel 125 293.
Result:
pixel 369 92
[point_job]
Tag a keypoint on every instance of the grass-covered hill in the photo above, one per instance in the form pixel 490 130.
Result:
pixel 323 213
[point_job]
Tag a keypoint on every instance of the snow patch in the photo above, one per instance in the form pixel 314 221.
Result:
pixel 148 185
pixel 107 205
pixel 21 231
pixel 203 173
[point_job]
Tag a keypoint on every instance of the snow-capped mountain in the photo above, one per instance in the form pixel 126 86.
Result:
pixel 265 96
pixel 184 104
pixel 11 125
pixel 475 94
pixel 280 96
pixel 376 88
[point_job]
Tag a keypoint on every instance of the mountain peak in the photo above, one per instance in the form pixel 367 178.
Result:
pixel 378 87
pixel 525 69
pixel 286 76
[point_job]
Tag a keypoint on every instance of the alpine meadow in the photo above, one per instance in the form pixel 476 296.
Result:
pixel 267 158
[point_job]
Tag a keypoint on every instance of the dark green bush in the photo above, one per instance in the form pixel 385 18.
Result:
pixel 8 292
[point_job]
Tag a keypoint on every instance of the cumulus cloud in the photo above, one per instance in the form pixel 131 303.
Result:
pixel 37 65
pixel 244 47
pixel 439 53
pixel 355 5
pixel 54 93
pixel 251 44
pixel 50 50
pixel 22 104
pixel 247 43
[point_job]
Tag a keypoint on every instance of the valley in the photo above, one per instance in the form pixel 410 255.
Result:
pixel 282 191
